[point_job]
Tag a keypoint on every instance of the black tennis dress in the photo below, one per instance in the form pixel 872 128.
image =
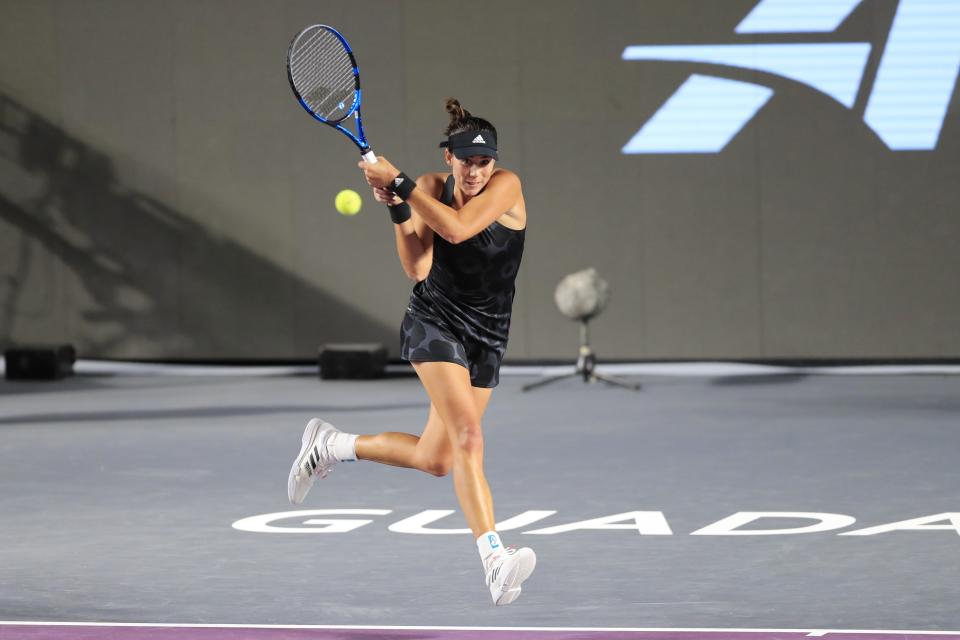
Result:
pixel 461 312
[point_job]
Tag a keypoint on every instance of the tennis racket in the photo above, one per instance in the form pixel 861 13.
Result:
pixel 324 76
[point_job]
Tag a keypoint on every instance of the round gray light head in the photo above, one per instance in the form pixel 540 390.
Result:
pixel 582 295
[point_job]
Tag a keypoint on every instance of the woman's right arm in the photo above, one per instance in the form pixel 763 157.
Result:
pixel 414 237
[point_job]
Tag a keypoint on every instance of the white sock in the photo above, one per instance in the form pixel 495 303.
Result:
pixel 343 446
pixel 488 545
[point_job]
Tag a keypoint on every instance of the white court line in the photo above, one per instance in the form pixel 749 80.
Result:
pixel 675 369
pixel 696 369
pixel 148 368
pixel 809 632
pixel 707 369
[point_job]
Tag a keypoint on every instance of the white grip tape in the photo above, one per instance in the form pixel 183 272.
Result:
pixel 370 157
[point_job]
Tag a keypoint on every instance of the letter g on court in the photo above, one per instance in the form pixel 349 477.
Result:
pixel 262 523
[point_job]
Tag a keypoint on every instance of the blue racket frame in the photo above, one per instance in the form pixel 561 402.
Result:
pixel 360 139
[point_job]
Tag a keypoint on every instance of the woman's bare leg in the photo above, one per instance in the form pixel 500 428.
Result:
pixel 431 452
pixel 448 386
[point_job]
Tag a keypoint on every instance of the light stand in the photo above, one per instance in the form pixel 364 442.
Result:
pixel 581 296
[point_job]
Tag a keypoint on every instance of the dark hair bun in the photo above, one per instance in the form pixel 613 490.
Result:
pixel 457 113
pixel 463 120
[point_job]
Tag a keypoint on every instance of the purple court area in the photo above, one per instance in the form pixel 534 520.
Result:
pixel 119 632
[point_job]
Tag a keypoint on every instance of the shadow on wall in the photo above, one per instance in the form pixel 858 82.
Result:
pixel 145 280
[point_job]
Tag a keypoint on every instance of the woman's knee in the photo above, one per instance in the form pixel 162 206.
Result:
pixel 438 465
pixel 467 438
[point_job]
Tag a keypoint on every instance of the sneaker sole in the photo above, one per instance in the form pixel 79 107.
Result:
pixel 516 577
pixel 313 430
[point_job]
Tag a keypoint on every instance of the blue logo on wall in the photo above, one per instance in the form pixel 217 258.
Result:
pixel 906 107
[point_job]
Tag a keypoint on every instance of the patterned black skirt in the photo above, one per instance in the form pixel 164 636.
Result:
pixel 430 334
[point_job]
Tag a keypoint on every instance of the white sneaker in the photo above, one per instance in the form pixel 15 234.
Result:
pixel 314 460
pixel 507 571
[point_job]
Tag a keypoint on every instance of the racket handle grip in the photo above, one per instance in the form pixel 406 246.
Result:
pixel 370 157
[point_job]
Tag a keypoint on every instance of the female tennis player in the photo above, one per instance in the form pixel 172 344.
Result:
pixel 460 236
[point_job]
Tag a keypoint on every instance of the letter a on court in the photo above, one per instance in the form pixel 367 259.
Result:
pixel 916 524
pixel 649 523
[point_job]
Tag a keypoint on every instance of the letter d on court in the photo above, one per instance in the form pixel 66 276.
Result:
pixel 730 526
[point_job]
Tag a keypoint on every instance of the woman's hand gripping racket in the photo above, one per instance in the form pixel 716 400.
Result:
pixel 324 76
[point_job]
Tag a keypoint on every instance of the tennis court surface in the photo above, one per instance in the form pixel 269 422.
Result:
pixel 729 503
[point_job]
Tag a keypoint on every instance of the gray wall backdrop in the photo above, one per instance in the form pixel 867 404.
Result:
pixel 162 195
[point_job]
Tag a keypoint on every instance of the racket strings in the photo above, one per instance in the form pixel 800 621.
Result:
pixel 316 64
pixel 329 91
pixel 322 72
pixel 318 56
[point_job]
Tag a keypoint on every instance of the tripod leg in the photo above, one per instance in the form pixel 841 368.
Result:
pixel 546 381
pixel 615 382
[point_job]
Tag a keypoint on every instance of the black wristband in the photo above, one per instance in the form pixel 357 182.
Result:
pixel 403 186
pixel 399 213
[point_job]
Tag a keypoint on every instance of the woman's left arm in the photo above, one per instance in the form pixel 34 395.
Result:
pixel 499 195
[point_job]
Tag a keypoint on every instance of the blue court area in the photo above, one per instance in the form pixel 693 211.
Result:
pixel 733 498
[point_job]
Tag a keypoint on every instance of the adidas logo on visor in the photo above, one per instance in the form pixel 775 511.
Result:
pixel 480 140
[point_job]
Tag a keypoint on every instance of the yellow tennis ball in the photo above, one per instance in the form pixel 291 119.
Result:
pixel 348 202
